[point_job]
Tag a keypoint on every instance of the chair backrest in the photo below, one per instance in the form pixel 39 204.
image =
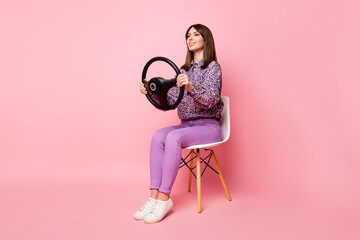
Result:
pixel 225 119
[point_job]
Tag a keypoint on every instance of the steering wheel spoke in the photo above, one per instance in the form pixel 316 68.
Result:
pixel 163 98
pixel 171 82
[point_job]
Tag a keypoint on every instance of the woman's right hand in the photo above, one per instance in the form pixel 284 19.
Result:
pixel 142 88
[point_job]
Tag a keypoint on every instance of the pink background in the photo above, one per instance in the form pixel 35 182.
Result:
pixel 75 131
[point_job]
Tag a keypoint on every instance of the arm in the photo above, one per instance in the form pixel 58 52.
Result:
pixel 207 93
pixel 173 92
pixel 172 95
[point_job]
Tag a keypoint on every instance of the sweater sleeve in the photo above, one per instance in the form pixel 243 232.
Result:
pixel 208 92
pixel 174 92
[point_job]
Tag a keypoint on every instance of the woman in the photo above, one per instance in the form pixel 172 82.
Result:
pixel 199 111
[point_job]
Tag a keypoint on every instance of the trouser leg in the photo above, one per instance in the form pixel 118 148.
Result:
pixel 157 151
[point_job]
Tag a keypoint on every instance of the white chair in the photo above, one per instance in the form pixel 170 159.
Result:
pixel 225 129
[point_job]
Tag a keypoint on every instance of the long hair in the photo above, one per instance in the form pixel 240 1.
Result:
pixel 209 47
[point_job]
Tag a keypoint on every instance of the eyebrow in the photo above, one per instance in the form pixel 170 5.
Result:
pixel 194 32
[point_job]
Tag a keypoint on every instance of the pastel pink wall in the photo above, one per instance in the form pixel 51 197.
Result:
pixel 70 104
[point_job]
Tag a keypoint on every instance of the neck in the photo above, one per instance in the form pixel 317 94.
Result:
pixel 198 55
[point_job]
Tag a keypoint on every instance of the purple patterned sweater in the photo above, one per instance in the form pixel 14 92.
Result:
pixel 205 99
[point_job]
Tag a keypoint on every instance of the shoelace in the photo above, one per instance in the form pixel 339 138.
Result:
pixel 146 205
pixel 156 207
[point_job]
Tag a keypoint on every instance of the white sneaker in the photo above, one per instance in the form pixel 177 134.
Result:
pixel 159 210
pixel 145 209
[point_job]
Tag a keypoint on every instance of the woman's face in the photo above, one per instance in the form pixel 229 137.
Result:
pixel 194 40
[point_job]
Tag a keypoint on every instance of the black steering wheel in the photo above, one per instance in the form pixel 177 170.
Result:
pixel 159 86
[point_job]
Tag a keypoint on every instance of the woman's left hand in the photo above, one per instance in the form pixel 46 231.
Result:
pixel 183 80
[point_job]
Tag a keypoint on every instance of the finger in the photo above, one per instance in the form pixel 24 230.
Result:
pixel 182 83
pixel 142 86
pixel 179 83
pixel 182 78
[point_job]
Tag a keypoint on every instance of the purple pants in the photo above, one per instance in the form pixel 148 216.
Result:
pixel 166 146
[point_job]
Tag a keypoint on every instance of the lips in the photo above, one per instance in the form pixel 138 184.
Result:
pixel 191 44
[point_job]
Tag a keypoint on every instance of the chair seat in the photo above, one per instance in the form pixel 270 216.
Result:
pixel 205 145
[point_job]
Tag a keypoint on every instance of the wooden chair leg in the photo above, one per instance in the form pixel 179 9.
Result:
pixel 198 179
pixel 221 175
pixel 190 172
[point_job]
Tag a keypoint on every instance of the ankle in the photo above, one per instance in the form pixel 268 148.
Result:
pixel 154 193
pixel 163 196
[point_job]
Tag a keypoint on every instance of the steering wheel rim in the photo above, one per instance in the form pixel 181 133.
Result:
pixel 159 86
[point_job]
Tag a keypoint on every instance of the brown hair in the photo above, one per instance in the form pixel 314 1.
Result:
pixel 209 47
